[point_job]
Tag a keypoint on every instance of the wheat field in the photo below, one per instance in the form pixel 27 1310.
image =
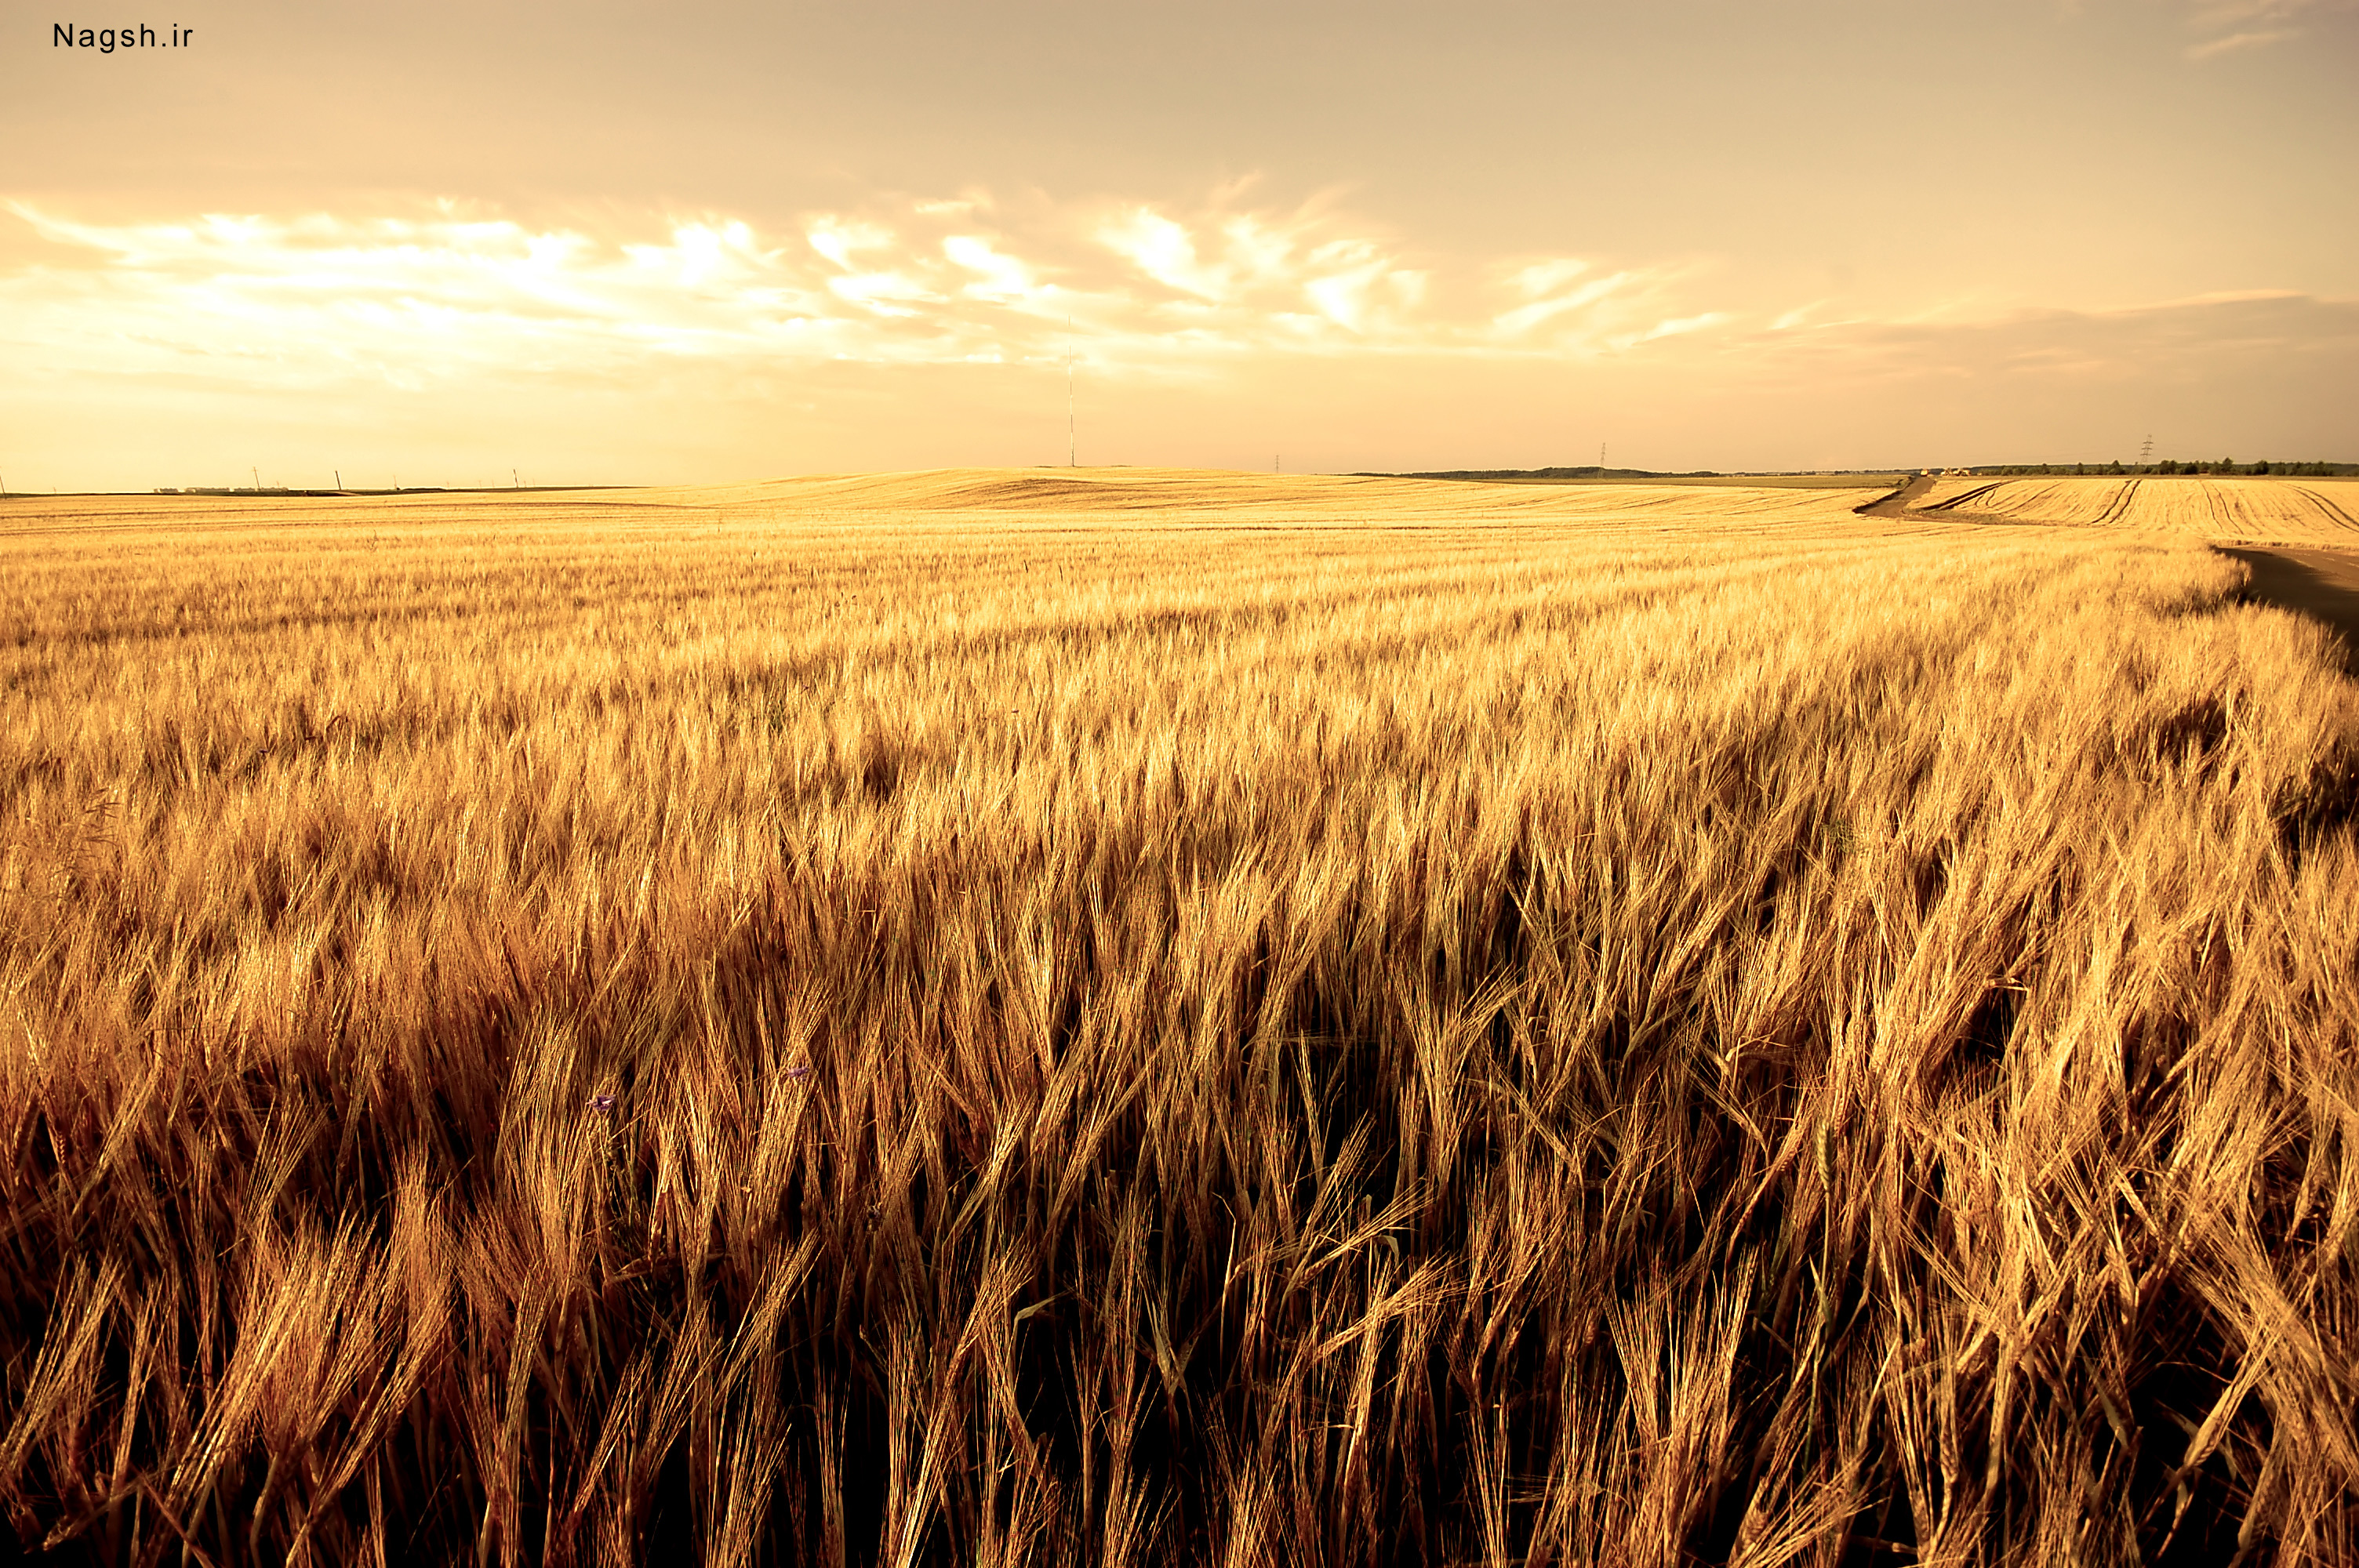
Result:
pixel 2256 511
pixel 1148 1017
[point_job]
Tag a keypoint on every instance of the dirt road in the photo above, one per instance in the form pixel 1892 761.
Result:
pixel 2321 584
pixel 1896 504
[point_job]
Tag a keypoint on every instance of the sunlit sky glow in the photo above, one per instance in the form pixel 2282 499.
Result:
pixel 707 243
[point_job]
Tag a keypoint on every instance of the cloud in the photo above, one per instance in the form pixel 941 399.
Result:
pixel 2235 42
pixel 2256 372
pixel 889 334
pixel 2177 342
pixel 2233 27
pixel 1000 277
pixel 1290 271
pixel 1681 326
pixel 2214 14
pixel 441 297
pixel 468 326
pixel 1516 323
pixel 1165 252
pixel 839 240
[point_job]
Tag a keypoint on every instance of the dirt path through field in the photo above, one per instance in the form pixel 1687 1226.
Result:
pixel 2321 584
pixel 1896 504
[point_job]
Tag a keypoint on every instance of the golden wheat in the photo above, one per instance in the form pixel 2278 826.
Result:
pixel 1146 1016
pixel 2253 510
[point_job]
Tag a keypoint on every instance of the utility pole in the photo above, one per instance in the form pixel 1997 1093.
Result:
pixel 257 481
pixel 511 474
pixel 1072 458
pixel 1600 460
pixel 340 476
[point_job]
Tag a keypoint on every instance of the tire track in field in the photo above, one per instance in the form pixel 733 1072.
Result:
pixel 1961 499
pixel 2330 509
pixel 2120 505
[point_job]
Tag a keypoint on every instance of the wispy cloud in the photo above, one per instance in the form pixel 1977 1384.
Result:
pixel 2233 27
pixel 442 295
pixel 449 328
pixel 2235 42
pixel 2211 15
pixel 2174 340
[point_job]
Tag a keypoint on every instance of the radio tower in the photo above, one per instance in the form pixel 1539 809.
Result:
pixel 1072 458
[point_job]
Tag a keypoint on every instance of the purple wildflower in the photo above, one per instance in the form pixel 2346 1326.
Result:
pixel 798 1072
pixel 601 1102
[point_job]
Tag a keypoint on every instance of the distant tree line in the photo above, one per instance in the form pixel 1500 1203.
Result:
pixel 1592 472
pixel 2167 466
pixel 2172 465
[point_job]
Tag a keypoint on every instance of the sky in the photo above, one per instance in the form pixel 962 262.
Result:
pixel 461 245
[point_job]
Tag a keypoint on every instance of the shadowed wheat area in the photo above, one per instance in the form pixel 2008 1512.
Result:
pixel 992 1018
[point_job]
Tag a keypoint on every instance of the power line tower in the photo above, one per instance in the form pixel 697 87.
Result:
pixel 1073 459
pixel 2146 451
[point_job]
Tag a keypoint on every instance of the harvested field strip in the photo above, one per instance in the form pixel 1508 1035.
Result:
pixel 934 1022
pixel 2256 509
